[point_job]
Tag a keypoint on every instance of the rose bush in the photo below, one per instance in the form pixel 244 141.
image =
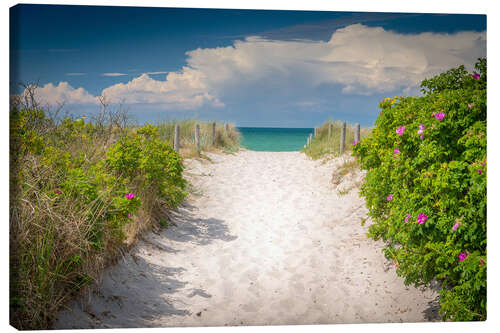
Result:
pixel 428 154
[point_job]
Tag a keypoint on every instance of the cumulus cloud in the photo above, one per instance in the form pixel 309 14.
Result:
pixel 361 59
pixel 63 93
pixel 183 90
pixel 356 60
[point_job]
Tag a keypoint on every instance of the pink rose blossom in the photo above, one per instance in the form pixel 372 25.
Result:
pixel 389 198
pixel 129 195
pixel 462 256
pixel 476 76
pixel 407 217
pixel 355 142
pixel 421 129
pixel 58 191
pixel 421 218
pixel 421 137
pixel 469 106
pixel 479 171
pixel 455 226
pixel 401 130
pixel 440 116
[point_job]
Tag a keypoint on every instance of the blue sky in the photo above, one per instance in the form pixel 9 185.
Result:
pixel 254 68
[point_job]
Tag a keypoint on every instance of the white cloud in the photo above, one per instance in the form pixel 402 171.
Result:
pixel 362 59
pixel 184 90
pixel 63 93
pixel 113 74
pixel 359 59
pixel 155 73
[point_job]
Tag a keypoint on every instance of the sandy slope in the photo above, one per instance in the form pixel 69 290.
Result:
pixel 267 240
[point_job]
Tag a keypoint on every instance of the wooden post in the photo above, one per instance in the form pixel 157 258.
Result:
pixel 357 132
pixel 315 131
pixel 197 136
pixel 226 127
pixel 176 137
pixel 310 139
pixel 213 133
pixel 342 138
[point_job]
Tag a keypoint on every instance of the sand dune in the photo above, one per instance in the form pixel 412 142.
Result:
pixel 265 239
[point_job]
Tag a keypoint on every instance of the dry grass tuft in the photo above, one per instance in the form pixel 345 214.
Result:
pixel 327 142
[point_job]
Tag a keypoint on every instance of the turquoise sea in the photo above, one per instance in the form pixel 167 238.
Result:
pixel 274 139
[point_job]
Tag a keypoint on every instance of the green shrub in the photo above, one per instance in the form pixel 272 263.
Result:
pixel 428 201
pixel 76 189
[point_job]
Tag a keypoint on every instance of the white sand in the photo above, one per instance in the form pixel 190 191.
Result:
pixel 267 240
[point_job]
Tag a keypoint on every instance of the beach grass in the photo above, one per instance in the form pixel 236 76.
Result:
pixel 327 141
pixel 227 141
pixel 66 223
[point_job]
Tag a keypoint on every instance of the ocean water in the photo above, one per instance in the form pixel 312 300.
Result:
pixel 274 139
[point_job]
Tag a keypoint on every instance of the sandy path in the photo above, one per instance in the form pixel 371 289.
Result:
pixel 266 241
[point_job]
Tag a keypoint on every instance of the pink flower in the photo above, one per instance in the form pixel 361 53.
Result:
pixel 389 198
pixel 129 216
pixel 440 116
pixel 396 152
pixel 355 142
pixel 483 164
pixel 462 256
pixel 455 226
pixel 469 106
pixel 401 130
pixel 421 129
pixel 407 217
pixel 421 137
pixel 421 218
pixel 476 76
pixel 57 191
pixel 479 171
pixel 129 195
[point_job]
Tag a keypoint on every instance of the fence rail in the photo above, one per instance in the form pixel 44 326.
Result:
pixel 199 135
pixel 342 132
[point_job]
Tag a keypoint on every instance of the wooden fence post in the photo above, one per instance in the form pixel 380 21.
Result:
pixel 357 132
pixel 226 127
pixel 176 137
pixel 315 132
pixel 342 138
pixel 197 137
pixel 213 133
pixel 309 139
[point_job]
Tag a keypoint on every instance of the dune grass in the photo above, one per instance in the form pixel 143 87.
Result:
pixel 327 142
pixel 225 141
pixel 69 216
